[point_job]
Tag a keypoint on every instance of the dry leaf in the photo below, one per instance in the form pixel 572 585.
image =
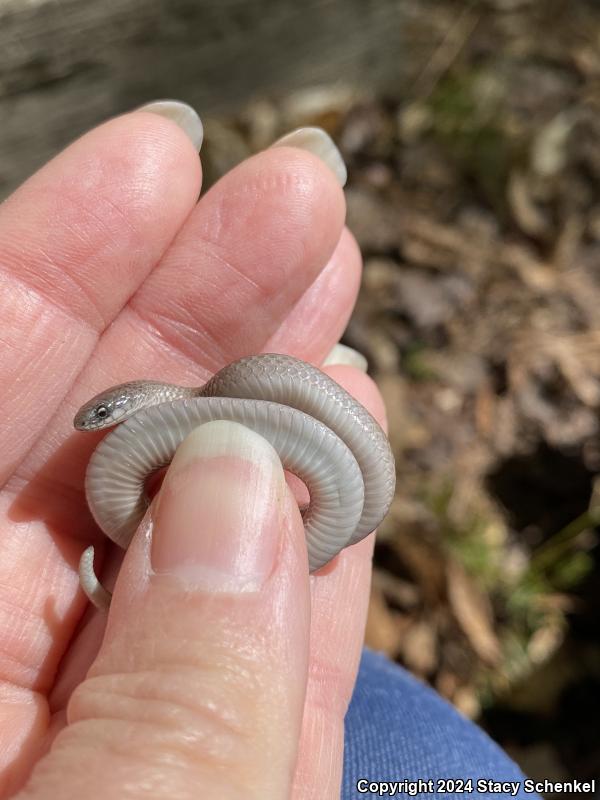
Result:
pixel 473 613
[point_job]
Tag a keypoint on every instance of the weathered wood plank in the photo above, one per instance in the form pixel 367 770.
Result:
pixel 67 64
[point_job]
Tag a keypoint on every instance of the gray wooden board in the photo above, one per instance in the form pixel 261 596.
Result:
pixel 65 65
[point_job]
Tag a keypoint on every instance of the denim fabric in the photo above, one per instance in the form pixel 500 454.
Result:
pixel 397 728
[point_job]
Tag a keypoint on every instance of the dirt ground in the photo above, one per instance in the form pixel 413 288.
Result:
pixel 477 206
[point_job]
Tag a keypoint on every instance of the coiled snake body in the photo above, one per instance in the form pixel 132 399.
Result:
pixel 320 432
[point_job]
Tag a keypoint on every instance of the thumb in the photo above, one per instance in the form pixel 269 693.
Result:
pixel 198 689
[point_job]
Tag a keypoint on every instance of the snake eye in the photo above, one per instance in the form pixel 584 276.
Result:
pixel 102 412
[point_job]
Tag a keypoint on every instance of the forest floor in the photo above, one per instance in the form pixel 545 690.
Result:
pixel 476 203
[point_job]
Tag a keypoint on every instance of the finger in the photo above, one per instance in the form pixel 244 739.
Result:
pixel 199 686
pixel 320 316
pixel 255 243
pixel 75 242
pixel 339 602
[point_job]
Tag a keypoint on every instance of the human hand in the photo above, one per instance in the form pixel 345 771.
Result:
pixel 110 270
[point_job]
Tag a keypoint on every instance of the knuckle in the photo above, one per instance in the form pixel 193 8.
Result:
pixel 206 713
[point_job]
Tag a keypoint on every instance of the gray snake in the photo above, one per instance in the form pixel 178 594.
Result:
pixel 320 432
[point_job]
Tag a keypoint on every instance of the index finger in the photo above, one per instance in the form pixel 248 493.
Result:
pixel 76 240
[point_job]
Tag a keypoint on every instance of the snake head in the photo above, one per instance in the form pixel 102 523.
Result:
pixel 111 406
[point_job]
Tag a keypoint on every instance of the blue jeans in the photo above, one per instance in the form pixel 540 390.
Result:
pixel 398 729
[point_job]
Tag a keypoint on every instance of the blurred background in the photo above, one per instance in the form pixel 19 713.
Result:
pixel 471 131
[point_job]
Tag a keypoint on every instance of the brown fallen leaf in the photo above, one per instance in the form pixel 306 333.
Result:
pixel 419 648
pixel 385 628
pixel 473 613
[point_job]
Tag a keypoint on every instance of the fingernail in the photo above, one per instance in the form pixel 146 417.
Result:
pixel 341 354
pixel 320 144
pixel 181 114
pixel 217 520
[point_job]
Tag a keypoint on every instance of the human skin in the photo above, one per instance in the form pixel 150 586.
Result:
pixel 111 270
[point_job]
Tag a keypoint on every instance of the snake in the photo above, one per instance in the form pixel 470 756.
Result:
pixel 320 432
